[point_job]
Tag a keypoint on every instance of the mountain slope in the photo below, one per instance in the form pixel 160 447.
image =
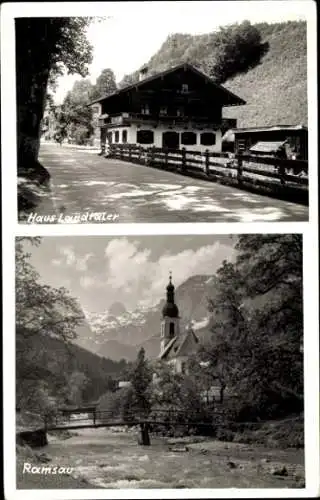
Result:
pixel 275 90
pixel 54 362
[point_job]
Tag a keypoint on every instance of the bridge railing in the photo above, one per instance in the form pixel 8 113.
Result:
pixel 99 417
pixel 273 174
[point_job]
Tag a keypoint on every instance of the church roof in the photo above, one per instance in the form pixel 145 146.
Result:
pixel 182 345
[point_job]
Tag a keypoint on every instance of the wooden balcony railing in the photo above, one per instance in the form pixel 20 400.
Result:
pixel 169 120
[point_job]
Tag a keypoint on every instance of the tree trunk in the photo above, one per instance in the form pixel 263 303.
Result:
pixel 143 437
pixel 32 73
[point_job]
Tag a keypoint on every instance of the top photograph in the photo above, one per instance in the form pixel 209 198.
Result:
pixel 154 113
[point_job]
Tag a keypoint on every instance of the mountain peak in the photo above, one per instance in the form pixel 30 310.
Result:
pixel 117 309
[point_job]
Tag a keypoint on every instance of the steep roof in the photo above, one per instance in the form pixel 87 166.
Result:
pixel 183 345
pixel 231 98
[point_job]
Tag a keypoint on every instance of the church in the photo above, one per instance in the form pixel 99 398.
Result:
pixel 176 345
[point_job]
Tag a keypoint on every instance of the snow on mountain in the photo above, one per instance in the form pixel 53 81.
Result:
pixel 121 335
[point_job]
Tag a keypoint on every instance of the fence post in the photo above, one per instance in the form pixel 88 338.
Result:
pixel 282 173
pixel 129 146
pixel 151 162
pixel 94 417
pixel 139 155
pixel 166 157
pixel 239 167
pixel 207 158
pixel 183 160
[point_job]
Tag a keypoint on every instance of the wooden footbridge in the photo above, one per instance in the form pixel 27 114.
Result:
pixel 89 417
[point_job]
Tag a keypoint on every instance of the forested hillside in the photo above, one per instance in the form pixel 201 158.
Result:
pixel 275 88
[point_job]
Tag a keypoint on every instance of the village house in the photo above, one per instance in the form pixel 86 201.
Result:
pixel 178 108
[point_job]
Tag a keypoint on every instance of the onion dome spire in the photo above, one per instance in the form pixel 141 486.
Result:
pixel 170 309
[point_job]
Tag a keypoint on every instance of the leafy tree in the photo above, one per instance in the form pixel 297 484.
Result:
pixel 77 383
pixel 105 84
pixel 45 47
pixel 140 379
pixel 41 311
pixel 257 325
pixel 235 49
pixel 129 80
pixel 176 394
pixel 74 116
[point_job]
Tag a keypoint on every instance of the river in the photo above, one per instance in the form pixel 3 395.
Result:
pixel 109 458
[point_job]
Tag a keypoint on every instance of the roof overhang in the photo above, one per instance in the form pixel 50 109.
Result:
pixel 272 128
pixel 231 99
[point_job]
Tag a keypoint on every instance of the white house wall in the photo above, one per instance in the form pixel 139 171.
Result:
pixel 132 137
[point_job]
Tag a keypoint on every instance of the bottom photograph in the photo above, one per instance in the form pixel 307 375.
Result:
pixel 159 362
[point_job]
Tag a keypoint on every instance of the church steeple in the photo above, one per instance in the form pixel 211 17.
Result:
pixel 170 309
pixel 170 325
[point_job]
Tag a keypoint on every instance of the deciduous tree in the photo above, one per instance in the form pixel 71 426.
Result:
pixel 44 48
pixel 141 377
pixel 105 84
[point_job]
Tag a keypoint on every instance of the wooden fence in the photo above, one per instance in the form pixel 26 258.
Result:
pixel 241 170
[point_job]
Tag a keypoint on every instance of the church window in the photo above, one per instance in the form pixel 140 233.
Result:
pixel 116 136
pixel 171 329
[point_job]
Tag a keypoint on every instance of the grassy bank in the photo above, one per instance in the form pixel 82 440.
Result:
pixel 287 433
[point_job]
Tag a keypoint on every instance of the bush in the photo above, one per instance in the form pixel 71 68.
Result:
pixel 236 48
pixel 224 434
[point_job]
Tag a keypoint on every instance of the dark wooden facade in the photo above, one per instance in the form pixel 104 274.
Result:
pixel 179 99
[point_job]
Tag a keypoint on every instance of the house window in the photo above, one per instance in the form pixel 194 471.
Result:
pixel 95 109
pixel 124 136
pixel 145 110
pixel 183 367
pixel 163 111
pixel 180 112
pixel 188 138
pixel 162 330
pixel 116 136
pixel 185 88
pixel 208 139
pixel 171 330
pixel 145 137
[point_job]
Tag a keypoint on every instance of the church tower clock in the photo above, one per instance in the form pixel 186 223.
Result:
pixel 170 324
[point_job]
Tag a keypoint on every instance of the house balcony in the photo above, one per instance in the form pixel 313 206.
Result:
pixel 170 121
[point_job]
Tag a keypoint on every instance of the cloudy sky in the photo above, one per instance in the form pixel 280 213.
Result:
pixel 101 270
pixel 133 31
